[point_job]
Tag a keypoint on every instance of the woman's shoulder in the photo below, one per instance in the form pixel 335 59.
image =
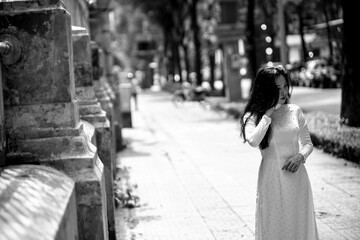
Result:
pixel 295 107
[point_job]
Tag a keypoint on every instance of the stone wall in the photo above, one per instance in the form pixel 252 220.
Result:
pixel 53 118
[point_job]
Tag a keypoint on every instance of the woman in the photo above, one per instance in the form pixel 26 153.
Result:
pixel 284 208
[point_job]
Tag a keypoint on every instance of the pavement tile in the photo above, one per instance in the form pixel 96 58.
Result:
pixel 197 180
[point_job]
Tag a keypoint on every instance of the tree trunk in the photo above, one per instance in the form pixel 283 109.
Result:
pixel 350 103
pixel 222 68
pixel 186 60
pixel 176 59
pixel 171 65
pixel 301 31
pixel 197 44
pixel 331 51
pixel 212 68
pixel 167 55
pixel 250 38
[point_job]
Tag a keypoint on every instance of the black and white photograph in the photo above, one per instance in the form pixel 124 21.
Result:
pixel 179 120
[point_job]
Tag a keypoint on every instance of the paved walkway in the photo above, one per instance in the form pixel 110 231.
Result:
pixel 197 180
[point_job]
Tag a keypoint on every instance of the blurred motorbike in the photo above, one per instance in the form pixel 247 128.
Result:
pixel 189 93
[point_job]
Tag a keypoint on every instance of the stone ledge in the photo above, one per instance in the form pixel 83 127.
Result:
pixel 33 196
pixel 49 115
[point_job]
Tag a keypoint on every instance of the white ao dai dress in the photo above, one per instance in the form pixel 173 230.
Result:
pixel 284 205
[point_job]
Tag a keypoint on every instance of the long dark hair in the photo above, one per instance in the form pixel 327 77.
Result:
pixel 263 96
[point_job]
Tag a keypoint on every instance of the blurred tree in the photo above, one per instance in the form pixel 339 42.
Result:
pixel 173 16
pixel 302 15
pixel 209 14
pixel 196 39
pixel 164 13
pixel 304 10
pixel 325 11
pixel 250 39
pixel 323 5
pixel 127 27
pixel 269 10
pixel 350 103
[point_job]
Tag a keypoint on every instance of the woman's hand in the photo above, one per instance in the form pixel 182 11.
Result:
pixel 293 163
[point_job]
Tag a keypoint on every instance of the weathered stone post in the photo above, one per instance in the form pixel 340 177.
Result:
pixel 101 33
pixel 103 95
pixel 41 113
pixel 91 111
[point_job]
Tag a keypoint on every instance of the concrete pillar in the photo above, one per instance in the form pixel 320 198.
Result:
pixel 91 111
pixel 125 88
pixel 41 113
pixel 231 72
pixel 40 201
pixel 100 32
pixel 113 86
pixel 106 97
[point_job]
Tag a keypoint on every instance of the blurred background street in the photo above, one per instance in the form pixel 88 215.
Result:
pixel 314 99
pixel 197 180
pixel 118 118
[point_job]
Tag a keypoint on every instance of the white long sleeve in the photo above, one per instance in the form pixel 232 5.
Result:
pixel 255 133
pixel 306 146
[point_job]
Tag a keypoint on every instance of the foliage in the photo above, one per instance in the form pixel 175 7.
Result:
pixel 330 134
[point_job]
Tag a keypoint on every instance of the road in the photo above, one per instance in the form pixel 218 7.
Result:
pixel 317 99
pixel 197 180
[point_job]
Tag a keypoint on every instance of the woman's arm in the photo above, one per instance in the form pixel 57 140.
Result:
pixel 306 147
pixel 255 133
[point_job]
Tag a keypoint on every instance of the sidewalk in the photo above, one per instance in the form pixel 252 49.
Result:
pixel 197 180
